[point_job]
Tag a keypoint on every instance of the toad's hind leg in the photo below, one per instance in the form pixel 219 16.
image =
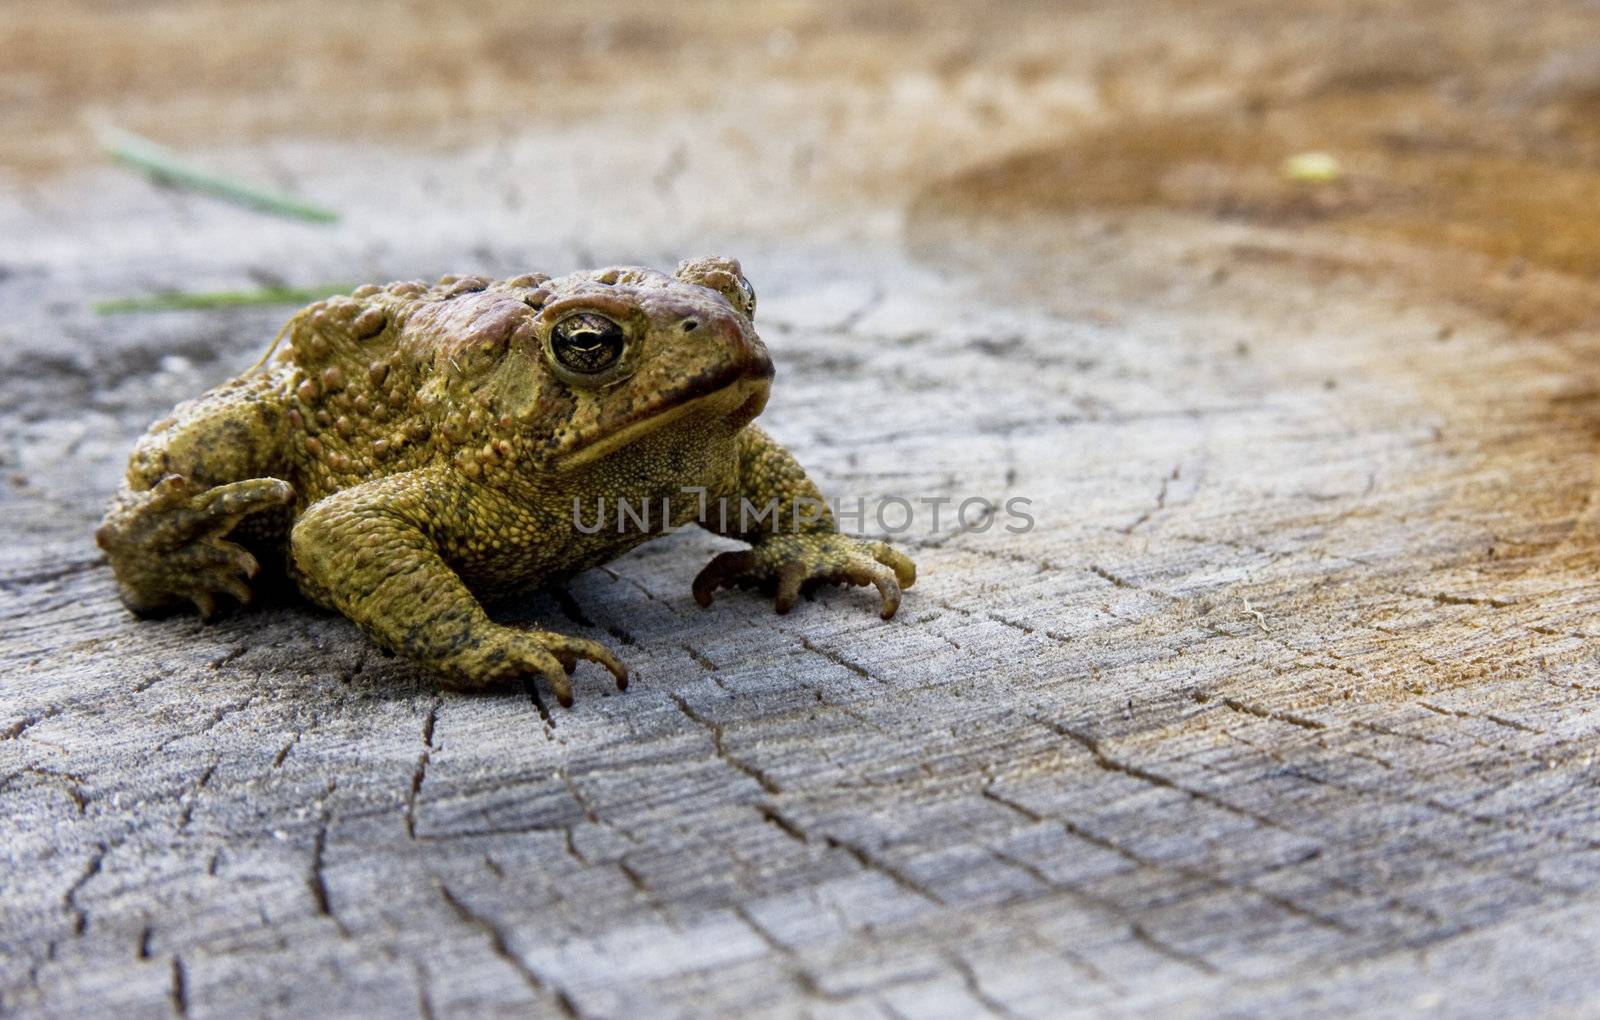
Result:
pixel 193 480
pixel 373 552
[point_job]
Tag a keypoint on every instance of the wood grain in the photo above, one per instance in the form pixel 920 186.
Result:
pixel 1287 702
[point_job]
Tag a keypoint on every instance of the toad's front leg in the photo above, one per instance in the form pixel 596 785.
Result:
pixel 795 544
pixel 366 552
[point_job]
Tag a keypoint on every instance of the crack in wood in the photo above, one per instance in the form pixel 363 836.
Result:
pixel 1283 903
pixel 772 815
pixel 969 978
pixel 71 568
pixel 1110 764
pixel 189 797
pixel 27 722
pixel 1135 930
pixel 211 722
pixel 80 914
pixel 179 989
pixel 1445 599
pixel 840 660
pixel 420 976
pixel 871 862
pixel 715 728
pixel 1160 504
pixel 420 771
pixel 316 880
pixel 698 656
pixel 1270 713
pixel 500 945
pixel 1510 724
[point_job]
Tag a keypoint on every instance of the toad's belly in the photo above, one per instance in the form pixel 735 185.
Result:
pixel 519 541
pixel 535 547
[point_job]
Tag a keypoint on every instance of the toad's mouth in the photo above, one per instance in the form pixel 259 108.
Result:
pixel 728 403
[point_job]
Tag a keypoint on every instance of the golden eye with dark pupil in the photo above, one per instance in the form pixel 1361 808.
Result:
pixel 587 342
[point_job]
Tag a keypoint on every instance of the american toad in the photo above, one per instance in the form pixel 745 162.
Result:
pixel 413 450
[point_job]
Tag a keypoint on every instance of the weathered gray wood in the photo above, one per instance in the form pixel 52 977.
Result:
pixel 1288 703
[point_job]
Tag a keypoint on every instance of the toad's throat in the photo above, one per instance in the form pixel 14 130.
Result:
pixel 728 406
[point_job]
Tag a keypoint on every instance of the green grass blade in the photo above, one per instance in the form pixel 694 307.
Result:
pixel 163 165
pixel 220 299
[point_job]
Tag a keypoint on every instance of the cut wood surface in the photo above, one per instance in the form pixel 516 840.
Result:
pixel 1287 704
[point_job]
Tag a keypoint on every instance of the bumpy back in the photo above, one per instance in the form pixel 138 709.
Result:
pixel 365 373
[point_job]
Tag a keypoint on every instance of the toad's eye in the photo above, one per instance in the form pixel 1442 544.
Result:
pixel 747 298
pixel 587 342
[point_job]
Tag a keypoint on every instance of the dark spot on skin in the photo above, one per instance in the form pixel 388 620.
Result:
pixel 238 434
pixel 690 325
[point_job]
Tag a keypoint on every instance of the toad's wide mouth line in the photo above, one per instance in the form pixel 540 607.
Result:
pixel 737 402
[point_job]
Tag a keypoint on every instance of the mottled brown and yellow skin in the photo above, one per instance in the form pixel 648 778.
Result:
pixel 415 449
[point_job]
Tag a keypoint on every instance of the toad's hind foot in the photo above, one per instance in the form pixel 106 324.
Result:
pixel 511 653
pixel 167 545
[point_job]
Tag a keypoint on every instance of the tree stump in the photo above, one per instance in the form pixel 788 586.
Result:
pixel 1287 700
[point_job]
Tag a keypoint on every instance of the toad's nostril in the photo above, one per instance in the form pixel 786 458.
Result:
pixel 690 325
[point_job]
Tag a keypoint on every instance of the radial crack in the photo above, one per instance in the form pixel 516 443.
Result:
pixel 500 945
pixel 765 781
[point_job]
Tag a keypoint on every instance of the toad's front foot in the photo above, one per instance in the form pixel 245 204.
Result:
pixel 790 565
pixel 509 653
